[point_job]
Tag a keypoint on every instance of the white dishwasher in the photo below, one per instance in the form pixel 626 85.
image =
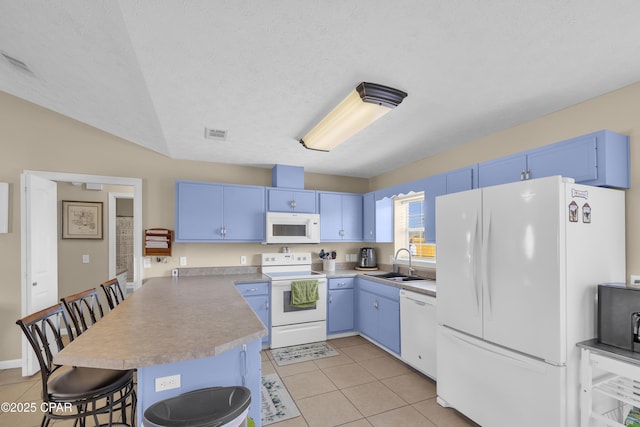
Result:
pixel 418 331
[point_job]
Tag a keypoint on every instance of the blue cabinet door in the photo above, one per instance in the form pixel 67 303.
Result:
pixel 340 311
pixel 384 221
pixel 330 216
pixel 503 170
pixel 377 219
pixel 352 217
pixel 389 324
pixel 367 314
pixel 199 212
pixel 340 216
pixel 257 296
pixel 244 213
pixel 576 159
pixel 280 200
pixel 260 305
pixel 460 180
pixel 369 217
pixel 433 186
pixel 379 313
pixel 305 201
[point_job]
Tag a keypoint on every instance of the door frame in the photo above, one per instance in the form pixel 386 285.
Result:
pixel 113 197
pixel 136 183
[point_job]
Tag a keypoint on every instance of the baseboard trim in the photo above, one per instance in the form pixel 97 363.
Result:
pixel 10 364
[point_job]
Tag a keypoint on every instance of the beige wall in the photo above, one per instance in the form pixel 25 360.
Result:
pixel 617 111
pixel 37 139
pixel 33 138
pixel 74 275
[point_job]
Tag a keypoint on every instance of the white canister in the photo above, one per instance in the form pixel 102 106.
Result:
pixel 329 265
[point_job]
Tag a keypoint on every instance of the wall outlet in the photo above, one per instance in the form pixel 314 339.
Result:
pixel 183 261
pixel 243 259
pixel 634 280
pixel 168 383
pixel 174 272
pixel 354 257
pixel 147 262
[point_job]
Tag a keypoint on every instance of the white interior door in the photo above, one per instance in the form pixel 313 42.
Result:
pixel 459 231
pixel 523 294
pixel 40 242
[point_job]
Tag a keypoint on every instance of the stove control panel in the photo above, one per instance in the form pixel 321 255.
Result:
pixel 291 258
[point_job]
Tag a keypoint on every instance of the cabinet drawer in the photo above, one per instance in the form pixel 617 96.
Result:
pixel 247 289
pixel 380 289
pixel 341 283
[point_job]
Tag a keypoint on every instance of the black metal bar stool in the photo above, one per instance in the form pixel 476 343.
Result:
pixel 80 392
pixel 113 291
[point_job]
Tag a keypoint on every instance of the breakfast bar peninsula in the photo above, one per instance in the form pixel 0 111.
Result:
pixel 198 331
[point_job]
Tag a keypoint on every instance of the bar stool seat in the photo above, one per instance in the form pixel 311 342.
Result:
pixel 79 382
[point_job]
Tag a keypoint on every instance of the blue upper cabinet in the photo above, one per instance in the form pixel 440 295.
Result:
pixel 461 179
pixel 198 211
pixel 340 216
pixel 576 159
pixel 502 170
pixel 433 187
pixel 377 223
pixel 369 217
pixel 600 159
pixel 210 212
pixel 287 200
pixel 244 213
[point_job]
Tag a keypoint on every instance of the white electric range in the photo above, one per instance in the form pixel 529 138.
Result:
pixel 294 325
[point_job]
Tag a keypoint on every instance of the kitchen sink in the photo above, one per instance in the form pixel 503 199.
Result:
pixel 398 277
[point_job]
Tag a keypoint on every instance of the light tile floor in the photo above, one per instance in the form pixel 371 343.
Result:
pixel 363 386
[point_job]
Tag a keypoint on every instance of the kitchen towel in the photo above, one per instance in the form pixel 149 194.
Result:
pixel 304 293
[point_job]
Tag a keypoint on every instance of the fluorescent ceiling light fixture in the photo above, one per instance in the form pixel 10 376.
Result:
pixel 366 104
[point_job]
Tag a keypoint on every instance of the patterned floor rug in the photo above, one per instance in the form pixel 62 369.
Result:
pixel 302 353
pixel 277 404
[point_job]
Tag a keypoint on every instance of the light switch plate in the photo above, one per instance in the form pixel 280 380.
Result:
pixel 183 261
pixel 85 259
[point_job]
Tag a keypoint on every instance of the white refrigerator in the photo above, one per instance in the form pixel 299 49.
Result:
pixel 517 268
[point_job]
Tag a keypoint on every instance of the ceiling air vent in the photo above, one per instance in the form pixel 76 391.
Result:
pixel 215 134
pixel 17 63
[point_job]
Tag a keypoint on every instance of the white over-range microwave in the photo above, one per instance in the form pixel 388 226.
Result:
pixel 288 228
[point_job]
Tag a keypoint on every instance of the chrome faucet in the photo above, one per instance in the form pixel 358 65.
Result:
pixel 395 261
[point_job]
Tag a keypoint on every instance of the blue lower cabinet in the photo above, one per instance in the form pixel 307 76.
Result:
pixel 378 313
pixel 340 305
pixel 257 296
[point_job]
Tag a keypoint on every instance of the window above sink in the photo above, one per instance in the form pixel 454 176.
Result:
pixel 409 230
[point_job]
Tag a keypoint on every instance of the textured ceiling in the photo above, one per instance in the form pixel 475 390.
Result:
pixel 158 72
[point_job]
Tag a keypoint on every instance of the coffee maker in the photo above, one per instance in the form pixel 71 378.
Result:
pixel 367 258
pixel 619 316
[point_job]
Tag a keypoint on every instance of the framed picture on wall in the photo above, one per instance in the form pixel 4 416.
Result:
pixel 81 220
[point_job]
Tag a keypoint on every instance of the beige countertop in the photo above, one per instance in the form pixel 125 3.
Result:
pixel 169 320
pixel 427 287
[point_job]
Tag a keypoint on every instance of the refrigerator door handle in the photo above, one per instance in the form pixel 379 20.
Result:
pixel 485 263
pixel 474 265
